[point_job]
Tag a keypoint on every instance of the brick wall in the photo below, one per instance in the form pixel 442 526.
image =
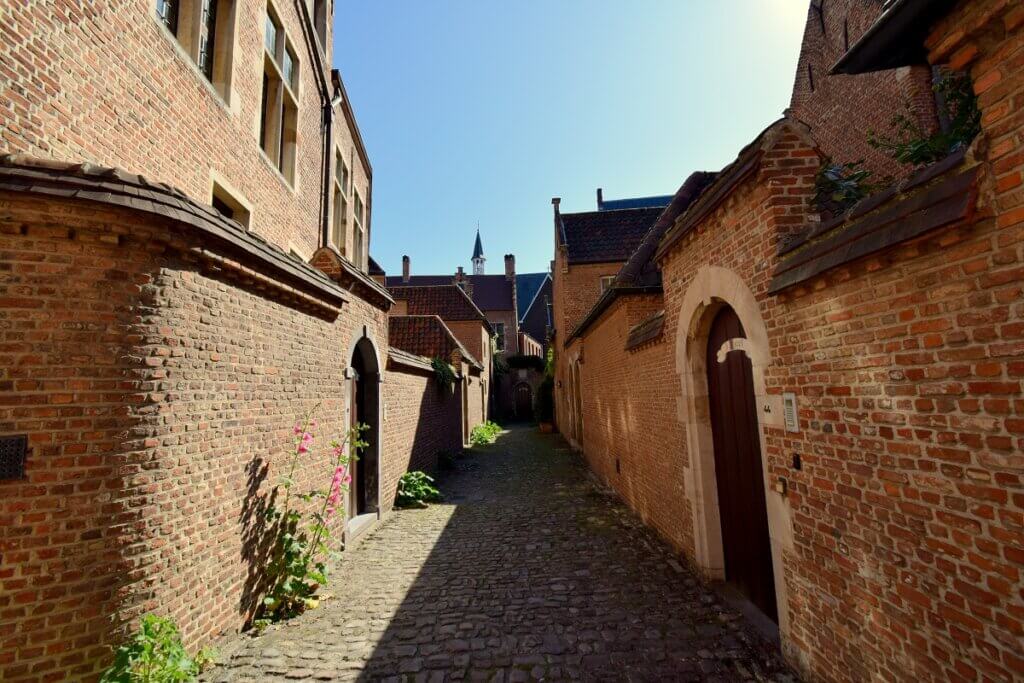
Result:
pixel 419 422
pixel 841 109
pixel 106 83
pixel 158 396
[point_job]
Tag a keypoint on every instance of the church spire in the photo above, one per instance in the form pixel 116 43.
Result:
pixel 478 255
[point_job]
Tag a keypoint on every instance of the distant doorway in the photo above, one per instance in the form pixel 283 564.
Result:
pixel 365 402
pixel 738 470
pixel 522 396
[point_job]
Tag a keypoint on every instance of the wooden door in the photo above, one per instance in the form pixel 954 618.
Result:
pixel 523 402
pixel 738 469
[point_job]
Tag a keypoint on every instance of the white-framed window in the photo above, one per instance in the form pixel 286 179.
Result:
pixel 205 31
pixel 606 282
pixel 279 108
pixel 499 336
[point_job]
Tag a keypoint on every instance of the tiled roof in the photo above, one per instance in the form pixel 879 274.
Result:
pixel 374 267
pixel 426 335
pixel 116 187
pixel 603 236
pixel 527 286
pixel 938 195
pixel 489 292
pixel 640 273
pixel 448 302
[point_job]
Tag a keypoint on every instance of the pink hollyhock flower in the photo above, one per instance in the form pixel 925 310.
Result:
pixel 297 428
pixel 302 448
pixel 312 424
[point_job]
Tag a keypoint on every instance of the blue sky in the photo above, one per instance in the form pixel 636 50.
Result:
pixel 485 110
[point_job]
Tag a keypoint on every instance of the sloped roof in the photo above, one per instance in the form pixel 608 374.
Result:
pixel 374 267
pixel 426 335
pixel 489 292
pixel 640 273
pixel 478 248
pixel 603 236
pixel 449 302
pixel 527 286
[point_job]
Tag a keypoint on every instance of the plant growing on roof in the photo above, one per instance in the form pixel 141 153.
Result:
pixel 298 564
pixel 911 144
pixel 444 375
pixel 837 186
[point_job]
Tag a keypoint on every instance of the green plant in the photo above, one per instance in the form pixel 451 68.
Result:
pixel 155 654
pixel 443 374
pixel 416 489
pixel 297 567
pixel 911 144
pixel 837 187
pixel 484 433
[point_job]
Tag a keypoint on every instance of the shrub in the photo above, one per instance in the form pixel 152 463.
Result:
pixel 155 654
pixel 443 374
pixel 298 566
pixel 485 433
pixel 910 144
pixel 416 489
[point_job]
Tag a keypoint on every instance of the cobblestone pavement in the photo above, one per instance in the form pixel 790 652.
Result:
pixel 527 572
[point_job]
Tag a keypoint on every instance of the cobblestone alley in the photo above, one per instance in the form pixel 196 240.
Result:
pixel 526 572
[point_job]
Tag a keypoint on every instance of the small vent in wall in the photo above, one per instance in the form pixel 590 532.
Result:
pixel 12 456
pixel 789 412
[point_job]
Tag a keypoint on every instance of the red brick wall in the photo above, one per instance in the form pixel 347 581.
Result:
pixel 159 398
pixel 106 83
pixel 841 109
pixel 419 422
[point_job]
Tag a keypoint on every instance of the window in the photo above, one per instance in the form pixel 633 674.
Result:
pixel 229 205
pixel 606 282
pixel 499 336
pixel 279 103
pixel 339 230
pixel 358 232
pixel 204 30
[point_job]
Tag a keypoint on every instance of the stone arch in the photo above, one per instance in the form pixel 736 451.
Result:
pixel 712 288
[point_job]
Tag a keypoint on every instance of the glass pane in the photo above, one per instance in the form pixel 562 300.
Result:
pixel 207 37
pixel 271 38
pixel 288 68
pixel 263 112
pixel 167 10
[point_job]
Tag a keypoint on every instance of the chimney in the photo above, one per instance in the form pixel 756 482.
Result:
pixel 555 201
pixel 460 275
pixel 406 267
pixel 510 266
pixel 600 198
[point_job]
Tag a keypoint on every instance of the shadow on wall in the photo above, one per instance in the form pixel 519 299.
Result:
pixel 257 539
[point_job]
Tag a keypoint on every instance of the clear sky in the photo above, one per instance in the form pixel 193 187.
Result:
pixel 483 110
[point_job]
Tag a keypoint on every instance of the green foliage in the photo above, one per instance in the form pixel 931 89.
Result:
pixel 484 433
pixel 155 654
pixel 416 489
pixel 549 362
pixel 500 365
pixel 910 144
pixel 840 186
pixel 298 564
pixel 528 362
pixel 443 374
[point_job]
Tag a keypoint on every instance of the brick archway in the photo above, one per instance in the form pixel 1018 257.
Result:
pixel 711 289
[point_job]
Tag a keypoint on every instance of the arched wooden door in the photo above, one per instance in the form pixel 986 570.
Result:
pixel 738 470
pixel 364 402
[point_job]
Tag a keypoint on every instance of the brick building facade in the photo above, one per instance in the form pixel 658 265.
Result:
pixel 185 230
pixel 880 354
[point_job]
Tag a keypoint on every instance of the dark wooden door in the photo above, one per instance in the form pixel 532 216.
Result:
pixel 524 402
pixel 738 469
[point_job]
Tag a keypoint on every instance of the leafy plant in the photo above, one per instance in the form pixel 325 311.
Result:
pixel 298 566
pixel 155 654
pixel 484 433
pixel 443 374
pixel 910 144
pixel 840 186
pixel 416 489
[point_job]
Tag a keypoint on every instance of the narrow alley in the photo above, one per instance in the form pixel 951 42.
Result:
pixel 527 572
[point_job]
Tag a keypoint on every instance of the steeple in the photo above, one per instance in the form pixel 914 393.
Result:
pixel 478 255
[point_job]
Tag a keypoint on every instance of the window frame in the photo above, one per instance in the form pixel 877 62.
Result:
pixel 499 336
pixel 279 99
pixel 605 282
pixel 339 225
pixel 213 61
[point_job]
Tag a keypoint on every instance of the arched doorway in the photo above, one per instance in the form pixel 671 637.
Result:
pixel 739 472
pixel 364 402
pixel 522 397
